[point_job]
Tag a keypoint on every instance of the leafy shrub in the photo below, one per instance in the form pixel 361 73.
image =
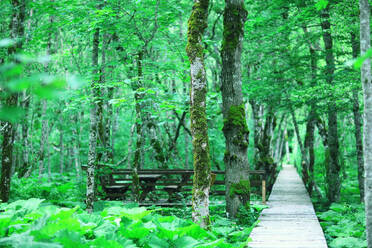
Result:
pixel 32 223
pixel 63 191
pixel 344 225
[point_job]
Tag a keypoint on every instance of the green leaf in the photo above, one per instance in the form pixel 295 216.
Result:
pixel 155 242
pixel 212 244
pixel 185 242
pixel 70 239
pixel 338 207
pixel 101 242
pixel 349 242
pixel 321 4
pixel 359 62
pixel 11 114
pixel 26 241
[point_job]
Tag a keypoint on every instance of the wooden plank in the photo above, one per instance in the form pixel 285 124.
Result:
pixel 290 220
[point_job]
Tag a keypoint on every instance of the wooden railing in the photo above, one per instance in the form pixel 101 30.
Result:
pixel 171 181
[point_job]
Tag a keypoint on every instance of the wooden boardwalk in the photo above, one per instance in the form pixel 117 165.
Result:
pixel 290 220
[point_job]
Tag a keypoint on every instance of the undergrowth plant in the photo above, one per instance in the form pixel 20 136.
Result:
pixel 34 223
pixel 344 226
pixel 62 191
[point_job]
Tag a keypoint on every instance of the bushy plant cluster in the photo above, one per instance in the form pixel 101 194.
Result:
pixel 62 191
pixel 344 226
pixel 34 223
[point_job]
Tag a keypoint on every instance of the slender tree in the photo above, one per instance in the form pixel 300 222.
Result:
pixel 92 155
pixel 365 45
pixel 202 170
pixel 9 128
pixel 358 124
pixel 333 165
pixel 235 127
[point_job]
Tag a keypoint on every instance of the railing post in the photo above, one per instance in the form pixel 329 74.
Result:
pixel 264 191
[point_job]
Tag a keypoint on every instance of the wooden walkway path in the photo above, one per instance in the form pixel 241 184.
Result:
pixel 290 220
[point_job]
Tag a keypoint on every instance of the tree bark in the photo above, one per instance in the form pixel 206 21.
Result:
pixel 25 137
pixel 202 170
pixel 365 45
pixel 358 125
pixel 304 159
pixel 16 32
pixel 333 166
pixel 103 140
pixel 61 147
pixel 138 154
pixel 92 155
pixel 309 145
pixel 235 127
pixel 310 126
pixel 43 139
pixel 75 145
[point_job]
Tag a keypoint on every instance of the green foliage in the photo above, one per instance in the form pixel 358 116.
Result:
pixel 344 225
pixel 63 191
pixel 321 4
pixel 359 62
pixel 242 188
pixel 30 223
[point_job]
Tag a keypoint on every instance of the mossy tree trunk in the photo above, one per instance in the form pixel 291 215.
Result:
pixel 365 45
pixel 9 128
pixel 202 170
pixel 333 166
pixel 235 126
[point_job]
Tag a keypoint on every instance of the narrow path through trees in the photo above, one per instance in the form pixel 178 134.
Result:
pixel 290 220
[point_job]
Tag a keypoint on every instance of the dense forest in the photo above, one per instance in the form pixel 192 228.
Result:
pixel 123 121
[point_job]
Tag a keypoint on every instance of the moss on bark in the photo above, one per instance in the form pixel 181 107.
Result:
pixel 233 25
pixel 242 189
pixel 196 25
pixel 199 129
pixel 236 120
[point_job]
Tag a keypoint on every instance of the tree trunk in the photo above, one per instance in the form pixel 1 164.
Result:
pixel 75 145
pixel 184 89
pixel 309 145
pixel 16 32
pixel 25 137
pixel 310 126
pixel 235 127
pixel 202 170
pixel 333 166
pixel 365 45
pixel 92 155
pixel 43 140
pixel 48 155
pixel 110 126
pixel 304 160
pixel 358 125
pixel 257 129
pixel 138 154
pixel 287 152
pixel 102 154
pixel 61 147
